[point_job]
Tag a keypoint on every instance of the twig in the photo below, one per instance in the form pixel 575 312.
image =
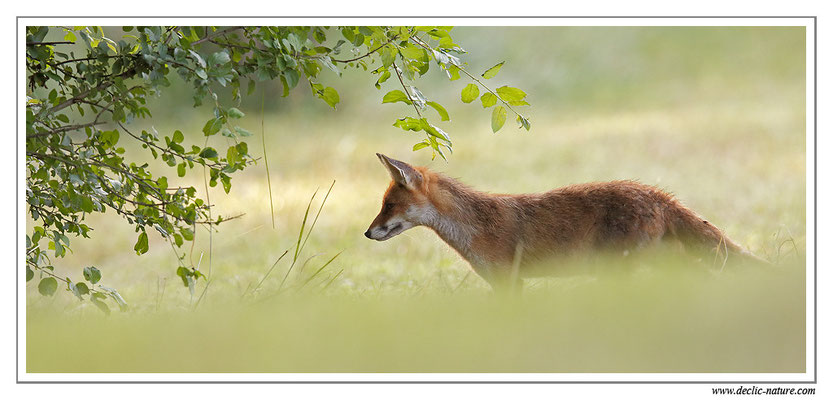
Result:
pixel 425 46
pixel 215 34
pixel 407 93
pixel 368 53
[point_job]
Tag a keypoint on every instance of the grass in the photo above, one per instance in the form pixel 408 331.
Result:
pixel 669 319
pixel 715 115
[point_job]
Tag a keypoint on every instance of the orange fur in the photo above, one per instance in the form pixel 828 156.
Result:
pixel 495 232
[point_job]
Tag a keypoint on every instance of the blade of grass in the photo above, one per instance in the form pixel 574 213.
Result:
pixel 210 220
pixel 266 159
pixel 461 282
pixel 318 214
pixel 246 290
pixel 300 246
pixel 303 225
pixel 319 270
pixel 270 271
pixel 161 295
pixel 331 280
pixel 207 284
pixel 304 264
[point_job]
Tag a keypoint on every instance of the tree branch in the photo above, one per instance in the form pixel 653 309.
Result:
pixel 68 102
pixel 47 43
pixel 63 129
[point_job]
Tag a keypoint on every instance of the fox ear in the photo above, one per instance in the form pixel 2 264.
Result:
pixel 401 172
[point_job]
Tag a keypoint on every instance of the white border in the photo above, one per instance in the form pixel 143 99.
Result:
pixel 472 377
pixel 457 21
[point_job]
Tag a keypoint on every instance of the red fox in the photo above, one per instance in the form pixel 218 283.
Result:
pixel 500 235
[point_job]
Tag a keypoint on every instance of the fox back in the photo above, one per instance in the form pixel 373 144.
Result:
pixel 497 233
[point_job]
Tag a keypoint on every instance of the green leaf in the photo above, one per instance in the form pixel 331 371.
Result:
pixel 408 124
pixel 437 133
pixel 221 57
pixel 387 55
pixel 48 286
pixel 59 249
pixel 508 93
pixel 97 298
pixel 488 100
pixel 491 72
pixel 443 113
pixel 453 72
pixel 285 85
pixel 411 51
pixel 180 169
pixel 382 78
pixel 498 118
pixel 212 126
pixel 292 78
pixel 208 152
pixel 242 132
pixel 82 288
pixel 92 274
pixel 330 96
pixel 469 93
pixel 183 273
pixel 141 245
pixel 523 123
pixel 235 113
pixel 187 233
pixel 396 95
pixel 114 294
pixel 29 274
pixel 231 155
pixel 421 145
pixel 78 289
pixel 226 181
pixel 178 137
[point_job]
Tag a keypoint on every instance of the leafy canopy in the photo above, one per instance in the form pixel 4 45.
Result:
pixel 84 89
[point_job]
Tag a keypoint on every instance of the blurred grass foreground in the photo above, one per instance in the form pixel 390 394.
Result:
pixel 715 115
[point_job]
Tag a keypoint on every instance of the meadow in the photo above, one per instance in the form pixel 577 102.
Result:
pixel 714 115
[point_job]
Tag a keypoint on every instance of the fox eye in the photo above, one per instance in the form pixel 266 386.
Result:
pixel 388 206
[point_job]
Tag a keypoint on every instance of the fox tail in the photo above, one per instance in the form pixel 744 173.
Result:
pixel 698 234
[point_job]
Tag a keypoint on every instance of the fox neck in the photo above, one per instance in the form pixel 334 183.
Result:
pixel 454 214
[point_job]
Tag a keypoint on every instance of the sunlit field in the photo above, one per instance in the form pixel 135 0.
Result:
pixel 714 115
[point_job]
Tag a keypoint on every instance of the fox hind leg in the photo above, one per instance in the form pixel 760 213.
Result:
pixel 501 279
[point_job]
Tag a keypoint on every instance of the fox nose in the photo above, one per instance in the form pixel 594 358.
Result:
pixel 367 233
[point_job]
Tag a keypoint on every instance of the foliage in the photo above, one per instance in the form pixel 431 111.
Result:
pixel 79 108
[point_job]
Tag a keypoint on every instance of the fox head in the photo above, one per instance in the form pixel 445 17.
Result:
pixel 405 203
